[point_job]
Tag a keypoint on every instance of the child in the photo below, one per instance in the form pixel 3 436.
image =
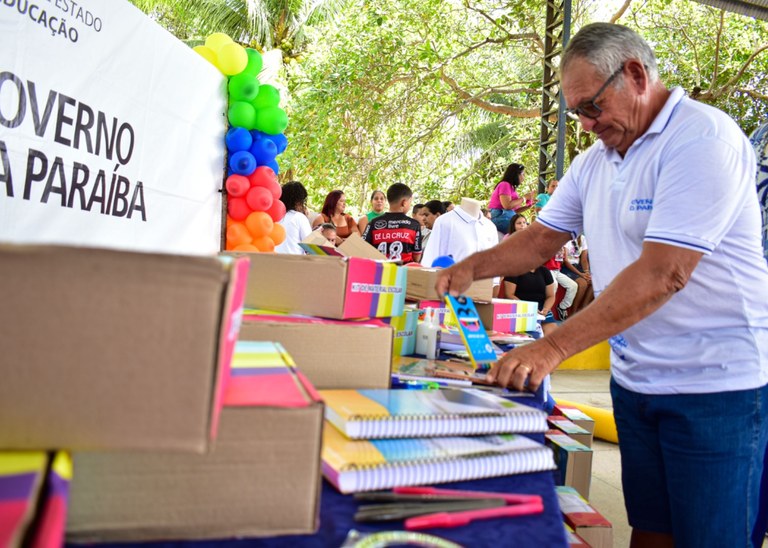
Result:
pixel 395 234
pixel 329 232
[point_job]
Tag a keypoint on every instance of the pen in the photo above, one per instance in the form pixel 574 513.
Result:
pixel 388 512
pixel 509 497
pixel 456 519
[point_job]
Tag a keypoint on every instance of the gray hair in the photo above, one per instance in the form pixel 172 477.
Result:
pixel 607 46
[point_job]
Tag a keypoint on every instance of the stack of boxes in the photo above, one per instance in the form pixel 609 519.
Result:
pixel 260 476
pixel 329 313
pixel 110 351
pixel 570 437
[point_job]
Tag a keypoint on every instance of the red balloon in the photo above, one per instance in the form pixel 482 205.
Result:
pixel 259 198
pixel 237 185
pixel 276 190
pixel 277 211
pixel 262 175
pixel 238 208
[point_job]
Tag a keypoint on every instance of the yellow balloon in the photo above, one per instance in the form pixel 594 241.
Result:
pixel 216 40
pixel 232 59
pixel 206 53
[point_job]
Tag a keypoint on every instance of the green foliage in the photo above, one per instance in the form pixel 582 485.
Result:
pixel 443 94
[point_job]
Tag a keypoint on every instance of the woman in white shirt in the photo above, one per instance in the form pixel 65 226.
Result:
pixel 295 222
pixel 576 266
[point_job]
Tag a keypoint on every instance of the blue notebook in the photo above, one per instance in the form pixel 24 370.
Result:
pixel 478 345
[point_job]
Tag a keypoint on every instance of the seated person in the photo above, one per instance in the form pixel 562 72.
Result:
pixel 543 198
pixel 576 266
pixel 537 286
pixel 395 234
pixel 334 212
pixel 329 233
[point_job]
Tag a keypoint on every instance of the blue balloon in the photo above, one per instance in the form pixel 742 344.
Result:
pixel 273 165
pixel 256 135
pixel 242 163
pixel 444 261
pixel 281 141
pixel 237 139
pixel 264 150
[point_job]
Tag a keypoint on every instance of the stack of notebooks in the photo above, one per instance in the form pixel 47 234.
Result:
pixel 379 439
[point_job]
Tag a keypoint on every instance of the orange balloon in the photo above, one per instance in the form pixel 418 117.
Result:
pixel 259 224
pixel 230 220
pixel 247 247
pixel 265 244
pixel 238 234
pixel 278 234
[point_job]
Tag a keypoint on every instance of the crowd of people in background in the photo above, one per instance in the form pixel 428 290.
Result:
pixel 438 232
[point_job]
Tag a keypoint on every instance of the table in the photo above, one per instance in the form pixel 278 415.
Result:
pixel 336 513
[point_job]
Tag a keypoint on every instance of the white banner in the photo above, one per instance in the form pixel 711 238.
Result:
pixel 111 130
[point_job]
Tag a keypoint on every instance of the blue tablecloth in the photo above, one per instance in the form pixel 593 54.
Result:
pixel 337 510
pixel 336 513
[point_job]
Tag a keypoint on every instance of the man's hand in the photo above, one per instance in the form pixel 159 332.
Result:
pixel 531 363
pixel 455 279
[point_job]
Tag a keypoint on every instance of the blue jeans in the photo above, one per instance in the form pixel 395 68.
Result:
pixel 692 463
pixel 501 218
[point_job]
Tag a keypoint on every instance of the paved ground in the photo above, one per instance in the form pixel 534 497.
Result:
pixel 591 388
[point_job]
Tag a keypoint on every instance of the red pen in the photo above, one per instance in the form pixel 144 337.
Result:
pixel 517 505
pixel 456 519
pixel 508 497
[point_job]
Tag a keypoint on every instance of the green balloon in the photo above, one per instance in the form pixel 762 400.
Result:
pixel 243 87
pixel 255 62
pixel 271 120
pixel 268 97
pixel 242 114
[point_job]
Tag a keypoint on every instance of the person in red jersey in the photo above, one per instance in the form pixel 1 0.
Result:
pixel 395 234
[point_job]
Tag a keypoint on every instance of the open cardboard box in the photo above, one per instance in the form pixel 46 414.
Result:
pixel 261 478
pixel 421 286
pixel 361 355
pixel 109 350
pixel 353 246
pixel 327 287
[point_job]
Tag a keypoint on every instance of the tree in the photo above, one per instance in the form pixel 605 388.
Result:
pixel 442 95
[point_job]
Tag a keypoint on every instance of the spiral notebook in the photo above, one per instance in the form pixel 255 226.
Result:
pixel 368 465
pixel 380 413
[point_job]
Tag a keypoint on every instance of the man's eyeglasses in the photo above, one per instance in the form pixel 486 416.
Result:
pixel 589 108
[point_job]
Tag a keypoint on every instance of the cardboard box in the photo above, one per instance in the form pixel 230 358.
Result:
pixel 328 287
pixel 576 416
pixel 404 325
pixel 421 286
pixel 332 354
pixel 571 429
pixel 587 522
pixel 509 316
pixel 262 477
pixel 108 349
pixel 353 246
pixel 574 540
pixel 573 459
pixel 444 314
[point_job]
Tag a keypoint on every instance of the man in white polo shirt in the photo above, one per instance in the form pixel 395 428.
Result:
pixel 682 291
